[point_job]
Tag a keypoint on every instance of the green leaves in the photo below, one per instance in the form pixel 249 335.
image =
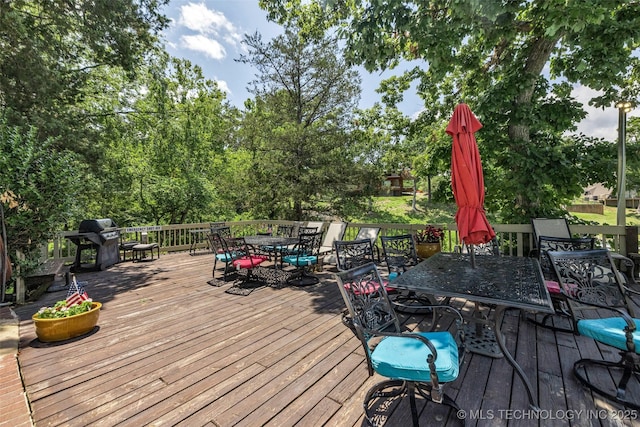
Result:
pixel 493 55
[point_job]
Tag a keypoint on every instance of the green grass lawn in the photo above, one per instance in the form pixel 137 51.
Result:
pixel 610 216
pixel 398 210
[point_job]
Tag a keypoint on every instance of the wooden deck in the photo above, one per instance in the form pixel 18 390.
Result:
pixel 173 350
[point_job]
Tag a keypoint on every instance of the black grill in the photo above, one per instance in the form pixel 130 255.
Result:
pixel 100 236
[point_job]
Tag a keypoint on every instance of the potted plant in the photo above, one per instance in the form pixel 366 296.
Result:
pixel 69 318
pixel 428 241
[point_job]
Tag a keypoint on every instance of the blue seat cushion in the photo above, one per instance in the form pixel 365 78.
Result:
pixel 227 257
pixel 299 261
pixel 405 358
pixel 269 248
pixel 609 331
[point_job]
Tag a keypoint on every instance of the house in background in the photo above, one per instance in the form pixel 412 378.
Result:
pixel 597 192
pixel 394 184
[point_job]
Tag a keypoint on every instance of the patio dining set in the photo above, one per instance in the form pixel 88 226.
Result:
pixel 288 255
pixel 565 279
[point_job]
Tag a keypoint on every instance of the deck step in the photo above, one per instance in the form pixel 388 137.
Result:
pixel 42 278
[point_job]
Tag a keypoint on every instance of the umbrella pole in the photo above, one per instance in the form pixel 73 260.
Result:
pixel 473 256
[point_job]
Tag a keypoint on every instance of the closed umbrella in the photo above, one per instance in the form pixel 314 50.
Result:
pixel 467 181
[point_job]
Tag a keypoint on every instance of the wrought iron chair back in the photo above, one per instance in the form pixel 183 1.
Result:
pixel 223 231
pixel 303 256
pixel 425 354
pixel 353 253
pixel 285 230
pixel 307 230
pixel 545 245
pixel 222 252
pixel 548 244
pixel 589 278
pixel 490 248
pixel 399 253
pixel 213 226
pixel 600 309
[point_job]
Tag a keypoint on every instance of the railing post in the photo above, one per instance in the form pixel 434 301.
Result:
pixel 21 288
pixel 631 239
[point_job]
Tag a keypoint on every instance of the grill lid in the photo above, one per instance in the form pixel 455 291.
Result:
pixel 96 225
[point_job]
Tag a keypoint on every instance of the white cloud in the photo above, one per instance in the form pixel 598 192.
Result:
pixel 200 43
pixel 212 30
pixel 223 86
pixel 599 123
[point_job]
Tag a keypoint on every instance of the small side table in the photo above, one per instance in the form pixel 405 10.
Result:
pixel 127 247
pixel 140 250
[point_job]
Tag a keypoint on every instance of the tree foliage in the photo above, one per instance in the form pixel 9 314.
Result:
pixel 54 55
pixel 296 131
pixel 513 62
pixel 39 185
pixel 171 146
pixel 62 65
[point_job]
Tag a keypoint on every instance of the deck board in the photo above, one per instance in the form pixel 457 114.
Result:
pixel 173 350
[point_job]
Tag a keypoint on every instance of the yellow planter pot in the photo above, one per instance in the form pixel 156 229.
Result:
pixel 64 328
pixel 425 250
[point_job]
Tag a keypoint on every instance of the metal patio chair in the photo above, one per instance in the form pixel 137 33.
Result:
pixel 244 264
pixel 353 253
pixel 545 245
pixel 600 309
pixel 303 256
pixel 223 253
pixel 417 362
pixel 399 254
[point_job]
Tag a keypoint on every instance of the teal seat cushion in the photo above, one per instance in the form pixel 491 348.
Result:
pixel 270 248
pixel 609 331
pixel 405 358
pixel 227 257
pixel 300 261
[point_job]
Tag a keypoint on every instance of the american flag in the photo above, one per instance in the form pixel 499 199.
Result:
pixel 76 294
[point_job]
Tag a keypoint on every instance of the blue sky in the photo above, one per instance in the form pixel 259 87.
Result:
pixel 208 33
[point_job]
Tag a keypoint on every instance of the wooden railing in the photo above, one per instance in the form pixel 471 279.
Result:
pixel 515 239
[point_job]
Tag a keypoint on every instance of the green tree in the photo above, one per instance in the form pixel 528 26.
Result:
pixel 65 68
pixel 513 62
pixel 54 55
pixel 167 153
pixel 296 131
pixel 39 188
pixel 633 155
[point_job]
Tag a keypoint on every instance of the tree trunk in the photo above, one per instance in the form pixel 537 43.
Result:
pixel 413 200
pixel 519 131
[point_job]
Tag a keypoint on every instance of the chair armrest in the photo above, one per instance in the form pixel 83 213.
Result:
pixel 459 332
pixel 620 312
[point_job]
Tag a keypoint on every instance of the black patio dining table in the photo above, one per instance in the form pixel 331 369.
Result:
pixel 501 281
pixel 260 240
pixel 273 275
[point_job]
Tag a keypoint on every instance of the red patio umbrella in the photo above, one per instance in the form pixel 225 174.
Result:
pixel 467 180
